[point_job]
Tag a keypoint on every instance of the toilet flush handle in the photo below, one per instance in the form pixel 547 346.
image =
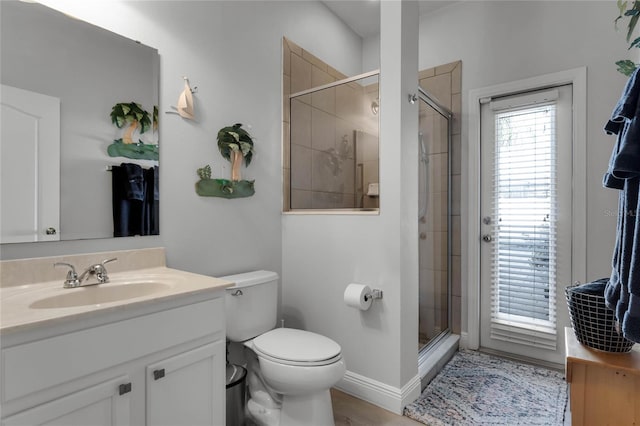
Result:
pixel 237 293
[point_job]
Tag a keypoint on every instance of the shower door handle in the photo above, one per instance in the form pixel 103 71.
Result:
pixel 487 238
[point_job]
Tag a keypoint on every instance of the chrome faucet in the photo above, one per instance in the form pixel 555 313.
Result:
pixel 97 269
pixel 72 276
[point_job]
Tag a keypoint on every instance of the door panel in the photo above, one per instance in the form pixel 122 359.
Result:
pixel 526 230
pixel 30 130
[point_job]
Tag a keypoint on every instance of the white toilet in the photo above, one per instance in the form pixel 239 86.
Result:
pixel 292 370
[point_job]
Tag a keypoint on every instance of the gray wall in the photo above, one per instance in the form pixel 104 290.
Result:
pixel 232 52
pixel 237 69
pixel 504 41
pixel 322 254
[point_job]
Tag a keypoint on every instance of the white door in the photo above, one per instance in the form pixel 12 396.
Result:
pixel 188 389
pixel 29 166
pixel 526 180
pixel 106 404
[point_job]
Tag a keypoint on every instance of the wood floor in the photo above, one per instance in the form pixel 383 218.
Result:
pixel 351 411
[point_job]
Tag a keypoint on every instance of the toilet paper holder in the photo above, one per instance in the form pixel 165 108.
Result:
pixel 375 294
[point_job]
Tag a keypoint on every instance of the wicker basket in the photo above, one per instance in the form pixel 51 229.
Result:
pixel 593 323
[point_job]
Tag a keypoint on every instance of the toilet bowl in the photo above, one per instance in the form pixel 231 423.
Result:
pixel 293 370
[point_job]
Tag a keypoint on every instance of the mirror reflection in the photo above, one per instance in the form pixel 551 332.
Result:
pixel 98 92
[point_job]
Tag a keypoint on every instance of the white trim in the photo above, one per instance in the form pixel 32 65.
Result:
pixel 464 340
pixel 378 393
pixel 515 102
pixel 471 185
pixel 579 202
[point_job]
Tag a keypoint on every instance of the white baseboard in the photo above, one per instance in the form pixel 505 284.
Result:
pixel 381 394
pixel 464 340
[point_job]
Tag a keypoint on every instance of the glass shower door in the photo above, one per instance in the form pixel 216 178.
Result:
pixel 434 223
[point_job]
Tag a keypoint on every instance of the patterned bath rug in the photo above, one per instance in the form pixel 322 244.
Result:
pixel 480 389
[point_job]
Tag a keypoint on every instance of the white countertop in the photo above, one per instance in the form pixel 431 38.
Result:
pixel 21 306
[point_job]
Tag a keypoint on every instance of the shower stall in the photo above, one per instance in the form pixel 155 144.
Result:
pixel 434 217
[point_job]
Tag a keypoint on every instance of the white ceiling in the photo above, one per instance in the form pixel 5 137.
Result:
pixel 363 16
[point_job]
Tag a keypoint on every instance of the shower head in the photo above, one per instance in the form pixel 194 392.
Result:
pixel 375 107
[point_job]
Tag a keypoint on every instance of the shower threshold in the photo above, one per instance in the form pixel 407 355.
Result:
pixel 435 356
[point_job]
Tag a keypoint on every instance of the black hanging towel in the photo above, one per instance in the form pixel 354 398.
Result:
pixel 622 293
pixel 133 213
pixel 150 208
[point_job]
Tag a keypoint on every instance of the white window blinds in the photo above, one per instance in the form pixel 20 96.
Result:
pixel 524 205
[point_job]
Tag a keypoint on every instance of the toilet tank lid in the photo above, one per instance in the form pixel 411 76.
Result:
pixel 250 278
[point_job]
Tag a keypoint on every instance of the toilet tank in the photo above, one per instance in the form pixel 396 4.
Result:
pixel 251 305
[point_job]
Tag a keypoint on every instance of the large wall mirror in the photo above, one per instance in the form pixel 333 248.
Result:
pixel 79 153
pixel 331 119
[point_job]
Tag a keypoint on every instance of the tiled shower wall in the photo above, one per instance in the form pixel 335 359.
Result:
pixel 323 167
pixel 445 85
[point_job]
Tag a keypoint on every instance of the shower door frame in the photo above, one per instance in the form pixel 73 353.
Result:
pixel 424 352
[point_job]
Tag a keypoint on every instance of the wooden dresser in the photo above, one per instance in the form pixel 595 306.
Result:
pixel 604 386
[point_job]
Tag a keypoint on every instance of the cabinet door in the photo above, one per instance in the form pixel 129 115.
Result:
pixel 188 389
pixel 106 404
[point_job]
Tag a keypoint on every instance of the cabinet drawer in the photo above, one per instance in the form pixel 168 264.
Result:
pixel 45 363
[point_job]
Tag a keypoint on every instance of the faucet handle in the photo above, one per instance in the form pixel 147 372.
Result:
pixel 101 271
pixel 109 260
pixel 72 276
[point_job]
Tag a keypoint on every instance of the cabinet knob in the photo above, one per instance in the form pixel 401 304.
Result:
pixel 124 388
pixel 158 374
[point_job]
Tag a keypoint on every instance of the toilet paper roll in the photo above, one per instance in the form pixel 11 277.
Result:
pixel 354 296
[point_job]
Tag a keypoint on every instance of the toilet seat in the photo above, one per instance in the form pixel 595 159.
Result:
pixel 297 347
pixel 299 363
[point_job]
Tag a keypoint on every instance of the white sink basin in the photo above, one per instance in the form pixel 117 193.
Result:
pixel 101 293
pixel 29 305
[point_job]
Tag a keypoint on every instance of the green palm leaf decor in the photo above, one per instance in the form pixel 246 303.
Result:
pixel 132 116
pixel 235 138
pixel 236 146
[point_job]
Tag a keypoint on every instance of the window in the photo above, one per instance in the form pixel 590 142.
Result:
pixel 525 212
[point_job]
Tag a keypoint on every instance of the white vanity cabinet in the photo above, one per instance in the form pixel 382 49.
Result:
pixel 101 404
pixel 159 364
pixel 184 389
